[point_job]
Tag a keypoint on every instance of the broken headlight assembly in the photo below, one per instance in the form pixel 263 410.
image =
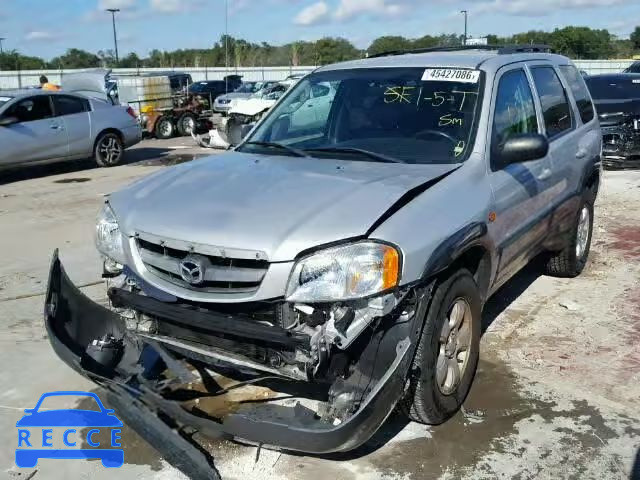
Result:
pixel 109 239
pixel 347 272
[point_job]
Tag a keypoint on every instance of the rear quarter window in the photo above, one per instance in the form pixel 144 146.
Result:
pixel 580 92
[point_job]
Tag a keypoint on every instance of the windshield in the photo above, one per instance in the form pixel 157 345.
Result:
pixel 614 88
pixel 4 100
pixel 248 87
pixel 408 114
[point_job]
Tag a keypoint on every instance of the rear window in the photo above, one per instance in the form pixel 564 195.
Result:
pixel 580 92
pixel 633 68
pixel 555 105
pixel 614 88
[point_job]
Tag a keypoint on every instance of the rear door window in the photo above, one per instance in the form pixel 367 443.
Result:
pixel 580 92
pixel 555 104
pixel 68 105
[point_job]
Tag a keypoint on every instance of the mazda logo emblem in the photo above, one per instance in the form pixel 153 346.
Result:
pixel 192 270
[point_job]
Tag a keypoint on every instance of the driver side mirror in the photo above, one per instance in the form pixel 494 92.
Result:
pixel 521 148
pixel 9 120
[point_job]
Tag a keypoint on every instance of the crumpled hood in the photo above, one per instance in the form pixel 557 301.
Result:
pixel 278 205
pixel 231 96
pixel 250 106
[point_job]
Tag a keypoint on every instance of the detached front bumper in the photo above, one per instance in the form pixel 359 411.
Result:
pixel 73 322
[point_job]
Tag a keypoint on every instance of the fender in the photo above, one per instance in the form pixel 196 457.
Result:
pixel 451 249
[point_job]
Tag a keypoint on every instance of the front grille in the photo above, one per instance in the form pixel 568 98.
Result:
pixel 221 274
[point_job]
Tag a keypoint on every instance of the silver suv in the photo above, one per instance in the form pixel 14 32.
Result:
pixel 338 260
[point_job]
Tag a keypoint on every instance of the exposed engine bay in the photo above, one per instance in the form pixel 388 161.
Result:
pixel 293 368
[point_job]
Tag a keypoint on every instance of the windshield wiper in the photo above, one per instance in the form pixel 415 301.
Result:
pixel 295 151
pixel 378 157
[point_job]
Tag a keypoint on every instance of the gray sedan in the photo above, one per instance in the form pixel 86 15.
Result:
pixel 38 126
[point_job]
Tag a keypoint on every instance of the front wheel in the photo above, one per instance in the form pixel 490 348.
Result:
pixel 109 150
pixel 570 261
pixel 447 355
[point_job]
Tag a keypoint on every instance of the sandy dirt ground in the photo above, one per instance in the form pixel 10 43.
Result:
pixel 557 393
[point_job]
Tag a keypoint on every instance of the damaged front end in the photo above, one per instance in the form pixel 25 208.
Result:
pixel 620 140
pixel 316 379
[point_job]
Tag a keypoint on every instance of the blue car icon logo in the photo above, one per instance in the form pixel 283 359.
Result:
pixel 35 433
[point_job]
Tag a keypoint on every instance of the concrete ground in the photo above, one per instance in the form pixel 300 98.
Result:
pixel 556 394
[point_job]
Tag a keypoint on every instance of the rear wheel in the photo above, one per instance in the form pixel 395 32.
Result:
pixel 109 150
pixel 187 124
pixel 447 355
pixel 570 261
pixel 164 128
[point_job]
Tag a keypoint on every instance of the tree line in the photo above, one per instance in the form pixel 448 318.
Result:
pixel 574 42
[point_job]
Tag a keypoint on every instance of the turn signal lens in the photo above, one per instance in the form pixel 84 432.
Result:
pixel 391 268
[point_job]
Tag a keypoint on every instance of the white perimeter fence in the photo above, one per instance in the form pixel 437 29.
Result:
pixel 27 78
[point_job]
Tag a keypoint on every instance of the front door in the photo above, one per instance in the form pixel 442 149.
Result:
pixel 518 188
pixel 36 136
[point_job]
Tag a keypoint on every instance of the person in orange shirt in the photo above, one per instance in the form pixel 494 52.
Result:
pixel 45 85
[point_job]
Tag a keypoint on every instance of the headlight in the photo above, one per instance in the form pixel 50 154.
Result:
pixel 344 273
pixel 108 235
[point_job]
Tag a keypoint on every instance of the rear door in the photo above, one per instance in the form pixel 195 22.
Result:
pixel 74 112
pixel 36 136
pixel 519 189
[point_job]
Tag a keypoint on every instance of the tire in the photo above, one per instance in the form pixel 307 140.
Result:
pixel 108 150
pixel 164 128
pixel 433 397
pixel 570 261
pixel 187 123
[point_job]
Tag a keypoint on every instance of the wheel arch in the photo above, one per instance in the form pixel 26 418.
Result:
pixel 107 130
pixel 591 177
pixel 468 248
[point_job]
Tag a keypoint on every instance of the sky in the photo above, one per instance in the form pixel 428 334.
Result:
pixel 47 28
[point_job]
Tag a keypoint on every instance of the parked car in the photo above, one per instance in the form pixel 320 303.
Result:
pixel 339 266
pixel 223 103
pixel 55 126
pixel 617 100
pixel 209 89
pixel 247 111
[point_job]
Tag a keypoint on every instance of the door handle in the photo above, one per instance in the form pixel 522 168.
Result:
pixel 54 126
pixel 545 174
pixel 581 153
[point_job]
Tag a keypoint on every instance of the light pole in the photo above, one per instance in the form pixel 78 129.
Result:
pixel 226 45
pixel 113 20
pixel 464 40
pixel 1 39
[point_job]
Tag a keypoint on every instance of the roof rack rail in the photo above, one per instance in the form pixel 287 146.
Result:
pixel 500 49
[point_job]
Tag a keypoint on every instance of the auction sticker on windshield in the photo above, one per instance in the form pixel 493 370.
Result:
pixel 451 75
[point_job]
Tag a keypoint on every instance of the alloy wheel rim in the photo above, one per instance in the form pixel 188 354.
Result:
pixel 110 150
pixel 454 345
pixel 582 234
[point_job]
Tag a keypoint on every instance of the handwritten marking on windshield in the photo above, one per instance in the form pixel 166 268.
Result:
pixel 398 94
pixel 459 148
pixel 464 97
pixel 448 119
